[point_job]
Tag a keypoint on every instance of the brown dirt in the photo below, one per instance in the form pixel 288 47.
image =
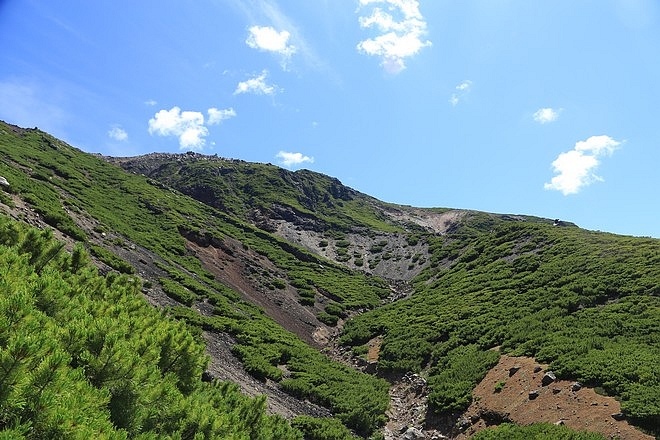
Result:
pixel 247 273
pixel 582 410
pixel 374 348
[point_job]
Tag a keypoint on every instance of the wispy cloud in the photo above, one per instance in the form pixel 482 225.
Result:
pixel 217 116
pixel 150 102
pixel 401 32
pixel 462 89
pixel 289 159
pixel 256 85
pixel 32 104
pixel 575 169
pixel 546 115
pixel 117 133
pixel 268 39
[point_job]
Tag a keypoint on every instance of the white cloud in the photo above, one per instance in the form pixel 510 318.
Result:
pixel 32 104
pixel 256 85
pixel 150 102
pixel 117 133
pixel 290 159
pixel 217 116
pixel 399 38
pixel 464 86
pixel 462 89
pixel 598 145
pixel 188 126
pixel 546 115
pixel 575 169
pixel 268 39
pixel 269 11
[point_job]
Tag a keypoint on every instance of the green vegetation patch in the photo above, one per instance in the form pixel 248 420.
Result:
pixel 586 303
pixel 540 431
pixel 84 356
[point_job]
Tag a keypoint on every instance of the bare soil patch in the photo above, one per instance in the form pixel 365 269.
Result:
pixel 248 273
pixel 558 402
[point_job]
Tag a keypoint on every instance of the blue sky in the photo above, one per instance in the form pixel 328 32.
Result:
pixel 547 108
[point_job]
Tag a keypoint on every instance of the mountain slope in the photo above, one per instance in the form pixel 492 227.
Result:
pixel 440 292
pixel 119 214
pixel 83 356
pixel 551 279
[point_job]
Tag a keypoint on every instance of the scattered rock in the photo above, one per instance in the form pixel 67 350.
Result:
pixel 577 386
pixel 560 422
pixel 618 416
pixel 491 418
pixel 207 376
pixel 533 394
pixel 556 390
pixel 3 181
pixel 413 434
pixel 513 370
pixel 548 378
pixel 463 423
pixel 537 369
pixel 371 367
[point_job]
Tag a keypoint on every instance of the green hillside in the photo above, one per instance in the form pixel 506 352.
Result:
pixel 241 188
pixel 587 303
pixel 61 183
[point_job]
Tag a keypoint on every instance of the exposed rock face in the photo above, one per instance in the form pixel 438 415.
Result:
pixel 3 181
pixel 304 221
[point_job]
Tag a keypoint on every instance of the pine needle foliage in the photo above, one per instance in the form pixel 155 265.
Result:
pixel 84 356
